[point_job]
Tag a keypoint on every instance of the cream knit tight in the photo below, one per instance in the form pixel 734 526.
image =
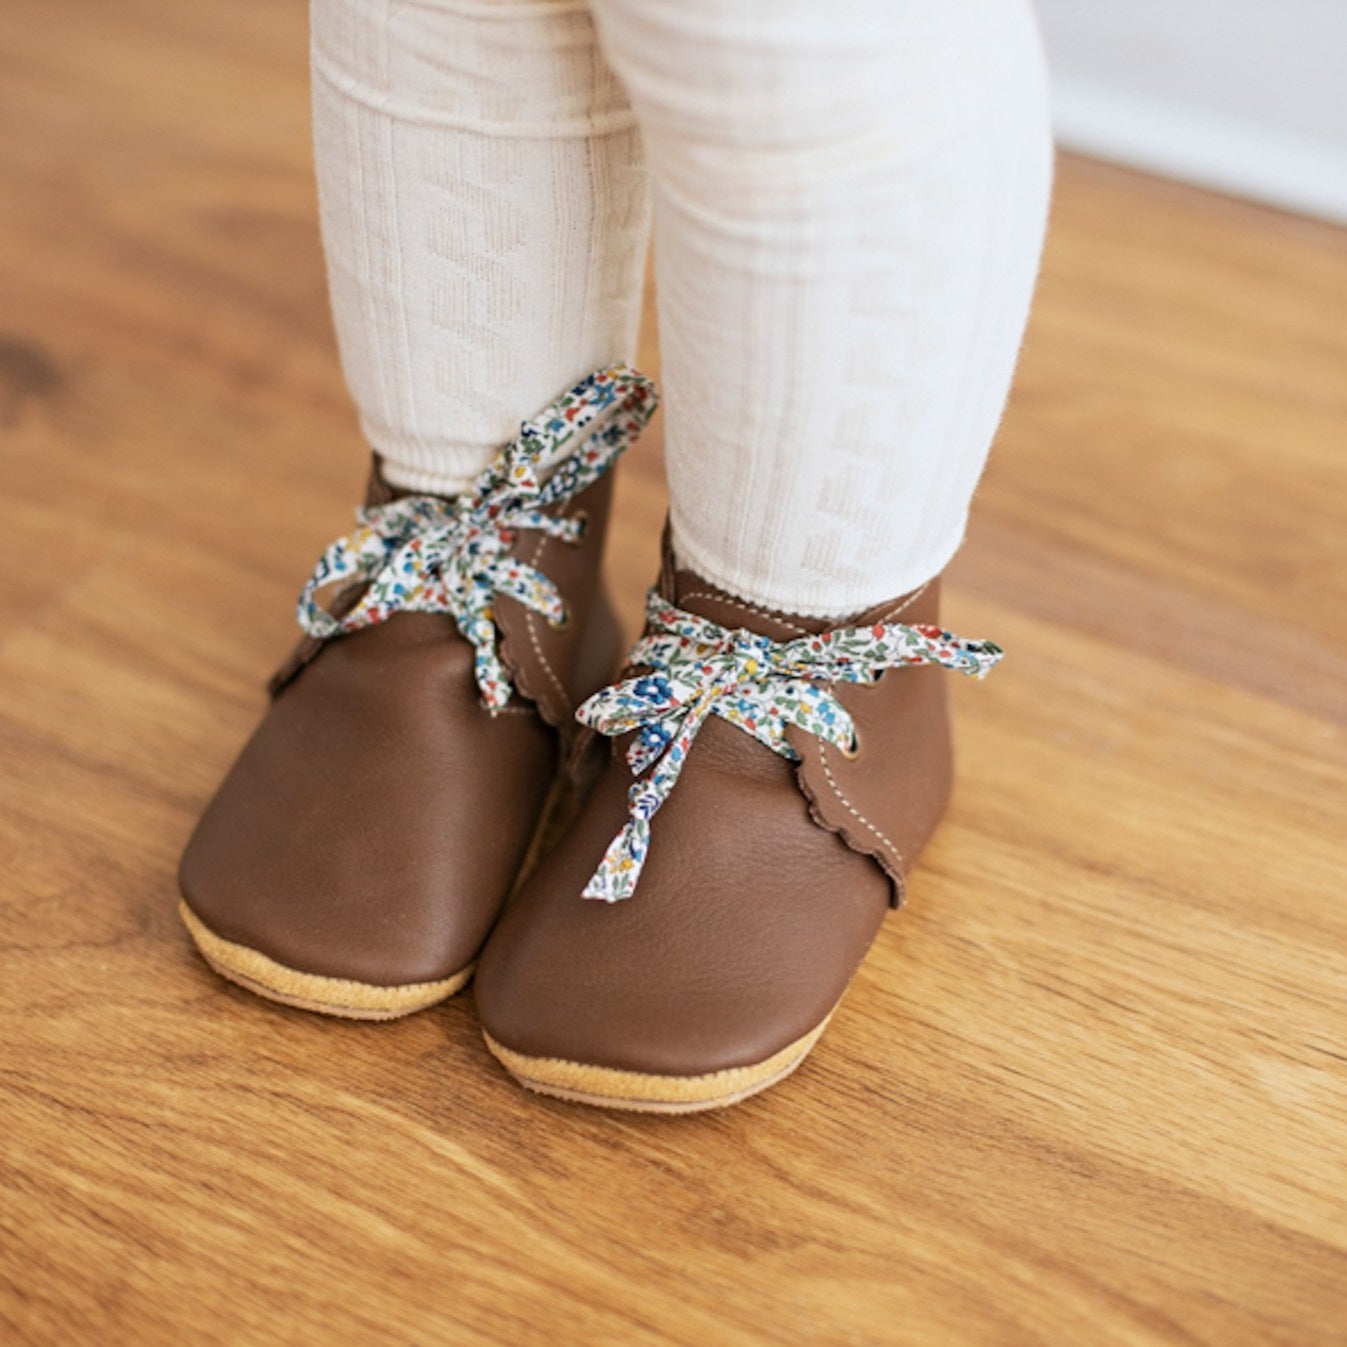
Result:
pixel 849 199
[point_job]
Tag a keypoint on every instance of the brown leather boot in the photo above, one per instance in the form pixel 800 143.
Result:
pixel 789 771
pixel 360 848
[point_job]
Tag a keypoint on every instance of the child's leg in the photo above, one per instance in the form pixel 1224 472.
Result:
pixel 850 200
pixel 485 216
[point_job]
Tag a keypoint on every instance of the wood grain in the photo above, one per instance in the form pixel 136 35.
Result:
pixel 1091 1086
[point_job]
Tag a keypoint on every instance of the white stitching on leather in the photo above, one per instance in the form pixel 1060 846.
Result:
pixel 883 837
pixel 792 626
pixel 532 617
pixel 747 607
pixel 906 603
pixel 823 760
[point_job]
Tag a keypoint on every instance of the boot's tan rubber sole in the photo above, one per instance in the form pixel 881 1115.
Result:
pixel 351 1000
pixel 646 1092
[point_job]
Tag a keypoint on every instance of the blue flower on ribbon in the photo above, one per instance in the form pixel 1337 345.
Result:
pixel 652 689
pixel 655 737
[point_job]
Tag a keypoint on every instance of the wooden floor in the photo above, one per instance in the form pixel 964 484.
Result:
pixel 1091 1086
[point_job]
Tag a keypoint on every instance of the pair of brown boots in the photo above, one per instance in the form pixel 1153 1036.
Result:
pixel 747 797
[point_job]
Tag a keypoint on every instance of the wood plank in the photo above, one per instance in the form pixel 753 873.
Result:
pixel 1091 1086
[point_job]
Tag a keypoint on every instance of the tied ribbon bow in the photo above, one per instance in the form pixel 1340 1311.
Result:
pixel 699 669
pixel 433 554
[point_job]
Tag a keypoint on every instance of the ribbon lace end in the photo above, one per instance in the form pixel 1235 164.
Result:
pixel 620 869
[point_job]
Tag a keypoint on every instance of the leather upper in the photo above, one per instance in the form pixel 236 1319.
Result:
pixel 375 821
pixel 764 885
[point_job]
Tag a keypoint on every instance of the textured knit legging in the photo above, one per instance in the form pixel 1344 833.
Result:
pixel 848 199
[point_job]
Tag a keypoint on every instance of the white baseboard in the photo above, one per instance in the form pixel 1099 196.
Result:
pixel 1215 149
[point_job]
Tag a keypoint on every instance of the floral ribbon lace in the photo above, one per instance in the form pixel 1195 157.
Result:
pixel 699 669
pixel 435 554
